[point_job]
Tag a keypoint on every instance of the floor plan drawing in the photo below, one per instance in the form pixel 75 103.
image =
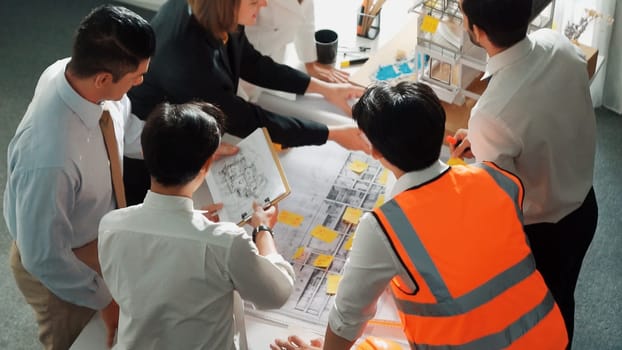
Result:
pixel 327 205
pixel 254 174
pixel 242 178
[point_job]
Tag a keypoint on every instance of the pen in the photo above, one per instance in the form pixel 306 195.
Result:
pixel 455 142
pixel 349 63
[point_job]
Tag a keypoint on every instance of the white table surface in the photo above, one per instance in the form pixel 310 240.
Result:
pixel 260 334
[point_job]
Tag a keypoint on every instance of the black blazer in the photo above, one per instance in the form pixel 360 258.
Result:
pixel 191 64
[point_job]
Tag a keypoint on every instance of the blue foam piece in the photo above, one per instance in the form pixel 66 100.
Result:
pixel 404 68
pixel 386 72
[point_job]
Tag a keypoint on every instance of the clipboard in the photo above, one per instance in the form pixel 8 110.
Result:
pixel 254 174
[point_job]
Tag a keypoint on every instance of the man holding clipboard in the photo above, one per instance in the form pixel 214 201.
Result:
pixel 172 270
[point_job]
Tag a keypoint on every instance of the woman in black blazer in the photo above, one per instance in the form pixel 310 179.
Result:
pixel 202 52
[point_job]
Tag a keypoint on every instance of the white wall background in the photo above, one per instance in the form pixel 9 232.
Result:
pixel 612 95
pixel 606 90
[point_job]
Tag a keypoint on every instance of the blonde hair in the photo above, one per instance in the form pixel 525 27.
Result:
pixel 216 16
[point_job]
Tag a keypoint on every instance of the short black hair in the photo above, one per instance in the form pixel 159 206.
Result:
pixel 504 21
pixel 111 39
pixel 405 123
pixel 177 140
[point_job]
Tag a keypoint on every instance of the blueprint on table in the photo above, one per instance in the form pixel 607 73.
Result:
pixel 331 188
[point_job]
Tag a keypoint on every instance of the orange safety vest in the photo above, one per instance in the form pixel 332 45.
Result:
pixel 461 239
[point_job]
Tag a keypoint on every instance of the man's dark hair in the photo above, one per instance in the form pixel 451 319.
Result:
pixel 405 123
pixel 111 39
pixel 177 140
pixel 504 21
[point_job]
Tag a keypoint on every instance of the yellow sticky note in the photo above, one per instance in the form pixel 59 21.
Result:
pixel 429 24
pixel 455 161
pixel 289 218
pixel 382 178
pixel 358 166
pixel 348 245
pixel 323 260
pixel 298 253
pixel 323 233
pixel 332 283
pixel 352 215
pixel 379 201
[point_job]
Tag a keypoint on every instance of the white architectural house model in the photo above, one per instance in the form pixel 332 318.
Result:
pixel 444 56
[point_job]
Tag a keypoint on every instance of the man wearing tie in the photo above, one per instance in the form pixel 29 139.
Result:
pixel 64 172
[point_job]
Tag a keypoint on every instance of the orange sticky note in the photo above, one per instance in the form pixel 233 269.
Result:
pixel 348 245
pixel 323 261
pixel 379 201
pixel 323 233
pixel 429 24
pixel 352 215
pixel 332 283
pixel 358 166
pixel 277 147
pixel 289 218
pixel 298 253
pixel 382 178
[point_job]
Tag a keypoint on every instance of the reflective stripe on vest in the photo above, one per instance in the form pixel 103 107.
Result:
pixel 474 298
pixel 416 251
pixel 506 185
pixel 506 336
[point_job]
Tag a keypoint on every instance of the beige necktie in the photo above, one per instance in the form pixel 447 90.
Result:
pixel 107 126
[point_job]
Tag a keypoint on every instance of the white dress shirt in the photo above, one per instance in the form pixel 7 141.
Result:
pixel 173 274
pixel 283 22
pixel 371 265
pixel 59 186
pixel 279 24
pixel 536 120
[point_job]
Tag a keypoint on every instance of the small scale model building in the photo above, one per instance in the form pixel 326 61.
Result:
pixel 445 58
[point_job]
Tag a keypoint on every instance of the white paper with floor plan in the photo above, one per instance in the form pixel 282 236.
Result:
pixel 253 174
pixel 331 188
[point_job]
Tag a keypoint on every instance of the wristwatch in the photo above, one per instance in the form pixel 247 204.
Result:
pixel 261 228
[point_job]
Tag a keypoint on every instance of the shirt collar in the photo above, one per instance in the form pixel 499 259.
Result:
pixel 415 178
pixel 167 202
pixel 508 56
pixel 87 111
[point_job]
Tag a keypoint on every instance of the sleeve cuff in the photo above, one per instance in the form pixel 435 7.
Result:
pixel 341 328
pixel 281 263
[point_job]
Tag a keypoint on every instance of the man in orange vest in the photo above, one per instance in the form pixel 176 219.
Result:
pixel 450 243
